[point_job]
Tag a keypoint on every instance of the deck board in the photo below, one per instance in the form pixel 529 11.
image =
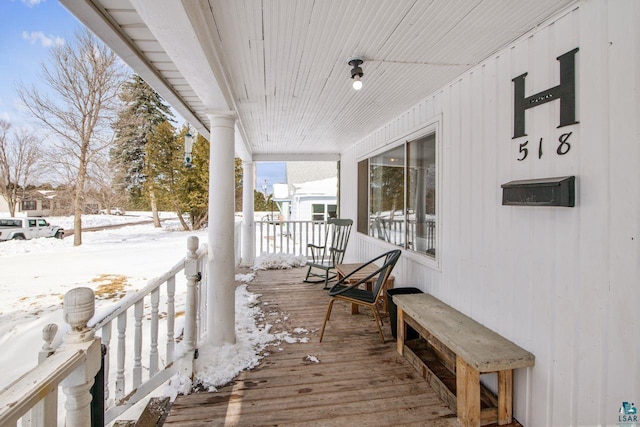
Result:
pixel 359 380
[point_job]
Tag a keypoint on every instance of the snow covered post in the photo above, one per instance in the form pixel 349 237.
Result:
pixel 193 277
pixel 79 307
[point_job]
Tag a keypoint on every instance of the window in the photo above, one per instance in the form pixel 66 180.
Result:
pixel 322 212
pixel 397 195
pixel 29 205
pixel 46 204
pixel 332 211
pixel 318 212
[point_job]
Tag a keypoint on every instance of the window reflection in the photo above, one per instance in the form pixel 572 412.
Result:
pixel 402 196
pixel 386 208
pixel 421 195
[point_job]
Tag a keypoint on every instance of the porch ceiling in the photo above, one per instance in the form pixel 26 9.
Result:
pixel 282 64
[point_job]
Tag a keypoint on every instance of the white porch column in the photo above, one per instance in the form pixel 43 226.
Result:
pixel 221 277
pixel 248 226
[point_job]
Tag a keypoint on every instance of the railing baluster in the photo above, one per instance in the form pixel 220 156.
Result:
pixel 293 237
pixel 171 317
pixel 153 353
pixel 106 340
pixel 122 326
pixel 137 343
pixel 274 238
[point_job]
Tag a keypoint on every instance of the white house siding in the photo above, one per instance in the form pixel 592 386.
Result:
pixel 564 283
pixel 302 206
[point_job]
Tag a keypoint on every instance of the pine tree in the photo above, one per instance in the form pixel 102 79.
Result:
pixel 142 112
pixel 164 169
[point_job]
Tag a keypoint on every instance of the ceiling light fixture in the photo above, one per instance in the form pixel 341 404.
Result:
pixel 356 71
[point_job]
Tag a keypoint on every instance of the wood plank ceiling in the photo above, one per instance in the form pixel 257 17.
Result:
pixel 284 62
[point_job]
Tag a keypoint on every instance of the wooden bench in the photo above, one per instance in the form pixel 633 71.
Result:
pixel 464 349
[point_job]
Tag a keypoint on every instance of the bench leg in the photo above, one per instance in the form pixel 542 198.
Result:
pixel 505 397
pixel 400 331
pixel 467 394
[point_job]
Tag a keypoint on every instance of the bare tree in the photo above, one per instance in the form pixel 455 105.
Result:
pixel 83 78
pixel 19 157
pixel 103 180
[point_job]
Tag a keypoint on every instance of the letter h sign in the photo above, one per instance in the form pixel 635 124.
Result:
pixel 565 92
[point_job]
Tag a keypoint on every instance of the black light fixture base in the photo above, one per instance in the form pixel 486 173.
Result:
pixel 355 62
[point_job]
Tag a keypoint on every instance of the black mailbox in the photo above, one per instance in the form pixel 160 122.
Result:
pixel 540 192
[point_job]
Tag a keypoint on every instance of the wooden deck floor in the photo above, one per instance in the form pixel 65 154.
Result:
pixel 358 380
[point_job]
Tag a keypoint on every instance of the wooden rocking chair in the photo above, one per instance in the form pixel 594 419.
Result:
pixel 324 258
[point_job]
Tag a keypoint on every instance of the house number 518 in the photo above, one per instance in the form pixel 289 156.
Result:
pixel 563 147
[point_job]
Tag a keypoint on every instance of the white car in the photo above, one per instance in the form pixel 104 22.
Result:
pixel 113 211
pixel 28 228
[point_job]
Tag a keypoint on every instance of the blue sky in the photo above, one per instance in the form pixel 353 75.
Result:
pixel 28 29
pixel 273 172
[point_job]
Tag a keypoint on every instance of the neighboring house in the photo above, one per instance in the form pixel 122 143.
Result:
pixel 301 172
pixel 315 200
pixel 46 203
pixel 38 203
pixel 311 192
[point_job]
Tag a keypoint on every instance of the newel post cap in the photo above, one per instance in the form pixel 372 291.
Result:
pixel 192 243
pixel 79 308
pixel 48 334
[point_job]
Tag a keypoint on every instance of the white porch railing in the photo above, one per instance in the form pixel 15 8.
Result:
pixel 140 333
pixel 289 237
pixel 128 317
pixel 33 397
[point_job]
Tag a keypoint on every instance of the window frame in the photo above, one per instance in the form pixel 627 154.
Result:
pixel 432 127
pixel 25 205
pixel 326 213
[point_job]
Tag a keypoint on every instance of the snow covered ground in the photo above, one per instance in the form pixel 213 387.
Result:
pixel 35 275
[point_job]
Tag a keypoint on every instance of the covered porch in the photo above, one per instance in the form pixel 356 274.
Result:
pixel 271 81
pixel 356 379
